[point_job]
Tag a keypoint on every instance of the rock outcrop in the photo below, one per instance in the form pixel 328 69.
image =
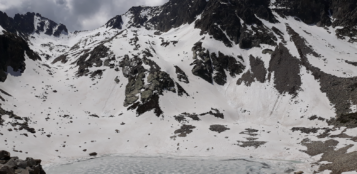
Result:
pixel 172 16
pixel 211 67
pixel 323 13
pixel 14 165
pixel 146 83
pixel 286 69
pixel 222 20
pixel 13 51
pixel 31 23
pixel 115 22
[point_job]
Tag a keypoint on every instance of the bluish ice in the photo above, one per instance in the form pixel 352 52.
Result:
pixel 161 165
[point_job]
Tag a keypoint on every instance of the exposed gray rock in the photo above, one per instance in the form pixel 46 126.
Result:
pixel 286 70
pixel 6 170
pixel 22 171
pixel 115 22
pixel 158 81
pixel 218 128
pixel 202 63
pixel 24 24
pixel 352 63
pixel 251 143
pixel 305 130
pixel 93 154
pixel 256 73
pixel 21 164
pixel 184 130
pixel 117 81
pixel 340 160
pixel 267 51
pixel 212 67
pixel 338 90
pixel 4 155
pixel 172 16
pixel 214 112
pixel 182 118
pixel 181 75
pixel 91 59
pixel 180 90
pixel 221 19
pixel 12 54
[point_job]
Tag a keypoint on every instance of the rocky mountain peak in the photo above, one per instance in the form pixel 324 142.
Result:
pixel 30 23
pixel 172 16
pixel 115 22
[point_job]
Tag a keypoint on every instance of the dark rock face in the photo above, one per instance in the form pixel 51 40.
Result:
pixel 61 29
pixel 12 54
pixel 158 81
pixel 151 104
pixel 181 75
pixel 352 63
pixel 24 125
pixel 172 15
pixel 230 23
pixel 180 90
pixel 345 120
pixel 286 70
pixel 91 59
pixel 218 128
pixel 215 112
pixel 309 11
pixel 224 63
pixel 184 130
pixel 258 69
pixel 221 20
pixel 115 22
pixel 4 155
pixel 12 165
pixel 138 20
pixel 212 67
pixel 182 118
pixel 202 63
pixel 340 91
pixel 340 160
pixel 305 130
pixel 93 154
pixel 61 58
pixel 256 73
pixel 25 24
pixel 320 12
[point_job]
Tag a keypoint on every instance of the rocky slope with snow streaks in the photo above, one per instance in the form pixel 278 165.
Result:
pixel 229 78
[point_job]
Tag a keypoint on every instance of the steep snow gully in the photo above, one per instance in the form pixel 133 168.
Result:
pixel 255 79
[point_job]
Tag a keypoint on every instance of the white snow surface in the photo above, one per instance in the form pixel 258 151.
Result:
pixel 59 139
pixel 1 30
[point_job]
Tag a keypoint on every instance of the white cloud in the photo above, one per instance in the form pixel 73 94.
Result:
pixel 75 14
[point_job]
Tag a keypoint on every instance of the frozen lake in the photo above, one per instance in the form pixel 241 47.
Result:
pixel 138 165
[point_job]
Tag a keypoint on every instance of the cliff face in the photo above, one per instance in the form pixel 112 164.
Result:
pixel 13 49
pixel 31 23
pixel 12 165
pixel 246 75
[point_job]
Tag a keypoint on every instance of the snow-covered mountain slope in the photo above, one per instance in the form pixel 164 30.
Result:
pixel 226 79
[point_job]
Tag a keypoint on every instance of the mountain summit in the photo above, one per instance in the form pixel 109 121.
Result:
pixel 270 79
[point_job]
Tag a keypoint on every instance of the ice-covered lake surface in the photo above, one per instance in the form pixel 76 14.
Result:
pixel 137 165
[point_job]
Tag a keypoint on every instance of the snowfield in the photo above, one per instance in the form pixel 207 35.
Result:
pixel 75 115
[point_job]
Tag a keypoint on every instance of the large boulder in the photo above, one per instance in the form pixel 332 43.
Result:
pixel 4 155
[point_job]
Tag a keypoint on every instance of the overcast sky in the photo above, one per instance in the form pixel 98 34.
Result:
pixel 75 14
